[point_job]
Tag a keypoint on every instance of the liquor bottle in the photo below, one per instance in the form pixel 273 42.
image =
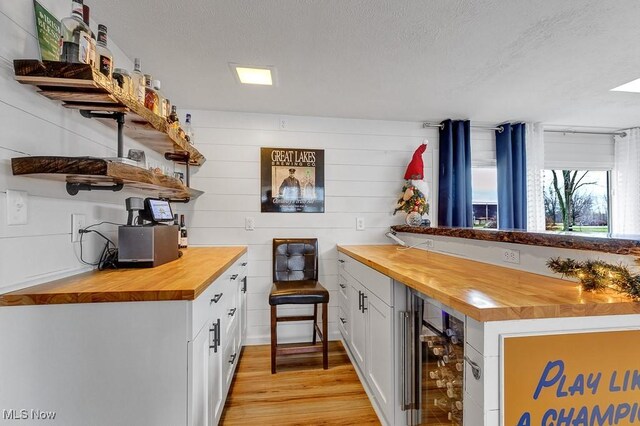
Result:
pixel 167 108
pixel 173 117
pixel 184 242
pixel 459 366
pixel 91 42
pixel 188 130
pixel 138 81
pixel 74 36
pixel 105 58
pixel 151 99
pixel 162 101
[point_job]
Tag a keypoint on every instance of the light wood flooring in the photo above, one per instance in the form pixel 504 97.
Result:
pixel 300 393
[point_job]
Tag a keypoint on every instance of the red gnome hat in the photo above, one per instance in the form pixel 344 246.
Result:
pixel 415 169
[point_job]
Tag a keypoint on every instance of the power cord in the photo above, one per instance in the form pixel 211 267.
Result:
pixel 109 256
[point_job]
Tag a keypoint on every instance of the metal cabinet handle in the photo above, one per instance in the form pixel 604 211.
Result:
pixel 244 285
pixel 243 264
pixel 216 298
pixel 232 312
pixel 341 260
pixel 233 358
pixel 343 285
pixel 215 328
pixel 343 321
pixel 359 300
pixel 475 368
pixel 234 277
pixel 364 305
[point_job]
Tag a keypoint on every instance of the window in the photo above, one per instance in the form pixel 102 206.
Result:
pixel 587 192
pixel 485 197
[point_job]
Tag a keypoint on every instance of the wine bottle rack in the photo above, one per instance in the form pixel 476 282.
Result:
pixel 444 375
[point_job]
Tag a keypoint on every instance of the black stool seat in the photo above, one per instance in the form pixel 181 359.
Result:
pixel 298 292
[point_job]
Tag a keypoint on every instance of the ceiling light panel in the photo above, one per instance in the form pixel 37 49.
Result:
pixel 632 86
pixel 263 76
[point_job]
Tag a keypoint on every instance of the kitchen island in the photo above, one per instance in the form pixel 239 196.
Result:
pixel 152 346
pixel 525 339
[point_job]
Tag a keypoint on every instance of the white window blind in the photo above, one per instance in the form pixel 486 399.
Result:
pixel 483 148
pixel 578 151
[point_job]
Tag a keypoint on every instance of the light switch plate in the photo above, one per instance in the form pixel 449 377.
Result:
pixel 17 207
pixel 360 224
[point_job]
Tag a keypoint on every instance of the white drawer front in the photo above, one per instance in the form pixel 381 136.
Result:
pixel 374 281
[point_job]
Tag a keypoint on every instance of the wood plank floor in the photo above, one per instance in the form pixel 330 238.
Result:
pixel 300 393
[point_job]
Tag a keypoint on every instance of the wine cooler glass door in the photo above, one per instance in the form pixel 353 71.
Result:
pixel 438 369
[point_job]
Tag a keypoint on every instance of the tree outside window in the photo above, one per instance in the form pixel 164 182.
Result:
pixel 576 200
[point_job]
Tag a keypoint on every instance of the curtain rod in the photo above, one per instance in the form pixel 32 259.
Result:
pixel 580 132
pixel 500 129
pixel 426 125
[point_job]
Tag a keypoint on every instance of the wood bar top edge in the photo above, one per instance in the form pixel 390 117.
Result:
pixel 182 279
pixel 526 296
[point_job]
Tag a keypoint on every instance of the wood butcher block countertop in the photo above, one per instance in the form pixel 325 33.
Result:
pixel 487 292
pixel 182 279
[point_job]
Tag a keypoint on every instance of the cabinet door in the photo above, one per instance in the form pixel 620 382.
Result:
pixel 379 351
pixel 215 382
pixel 357 323
pixel 199 378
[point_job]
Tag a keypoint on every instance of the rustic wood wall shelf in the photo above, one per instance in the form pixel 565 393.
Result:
pixel 79 172
pixel 79 86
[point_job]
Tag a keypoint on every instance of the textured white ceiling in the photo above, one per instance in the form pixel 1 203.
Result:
pixel 490 61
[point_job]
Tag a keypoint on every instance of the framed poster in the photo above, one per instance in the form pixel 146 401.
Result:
pixel 292 180
pixel 590 378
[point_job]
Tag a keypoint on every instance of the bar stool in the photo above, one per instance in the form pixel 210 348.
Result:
pixel 295 281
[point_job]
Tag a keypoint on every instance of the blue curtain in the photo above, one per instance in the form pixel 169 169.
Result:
pixel 454 187
pixel 512 177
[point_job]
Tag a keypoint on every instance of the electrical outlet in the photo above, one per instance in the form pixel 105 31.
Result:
pixel 283 124
pixel 249 223
pixel 17 207
pixel 359 223
pixel 428 243
pixel 78 222
pixel 511 256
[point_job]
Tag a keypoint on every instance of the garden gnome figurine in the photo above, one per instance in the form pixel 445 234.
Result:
pixel 415 169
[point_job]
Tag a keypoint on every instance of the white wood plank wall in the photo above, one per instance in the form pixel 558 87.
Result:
pixel 365 162
pixel 33 125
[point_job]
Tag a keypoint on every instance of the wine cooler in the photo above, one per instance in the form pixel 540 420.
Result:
pixel 433 363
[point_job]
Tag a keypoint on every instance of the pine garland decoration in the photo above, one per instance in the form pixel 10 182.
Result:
pixel 412 200
pixel 595 275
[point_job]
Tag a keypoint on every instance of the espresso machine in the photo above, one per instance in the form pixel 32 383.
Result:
pixel 149 238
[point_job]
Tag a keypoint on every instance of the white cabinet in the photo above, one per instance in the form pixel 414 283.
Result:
pixel 379 351
pixel 358 323
pixel 215 351
pixel 369 331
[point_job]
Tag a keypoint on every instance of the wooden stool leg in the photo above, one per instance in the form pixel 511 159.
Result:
pixel 325 337
pixel 274 337
pixel 315 321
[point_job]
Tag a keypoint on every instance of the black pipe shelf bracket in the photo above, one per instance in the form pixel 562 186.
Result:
pixel 120 119
pixel 181 157
pixel 74 188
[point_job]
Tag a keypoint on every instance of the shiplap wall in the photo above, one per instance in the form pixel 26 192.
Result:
pixel 33 125
pixel 365 162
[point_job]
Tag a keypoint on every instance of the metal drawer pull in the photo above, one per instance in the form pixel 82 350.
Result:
pixel 216 298
pixel 343 321
pixel 341 260
pixel 475 368
pixel 215 327
pixel 233 358
pixel 232 312
pixel 343 285
pixel 243 264
pixel 234 277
